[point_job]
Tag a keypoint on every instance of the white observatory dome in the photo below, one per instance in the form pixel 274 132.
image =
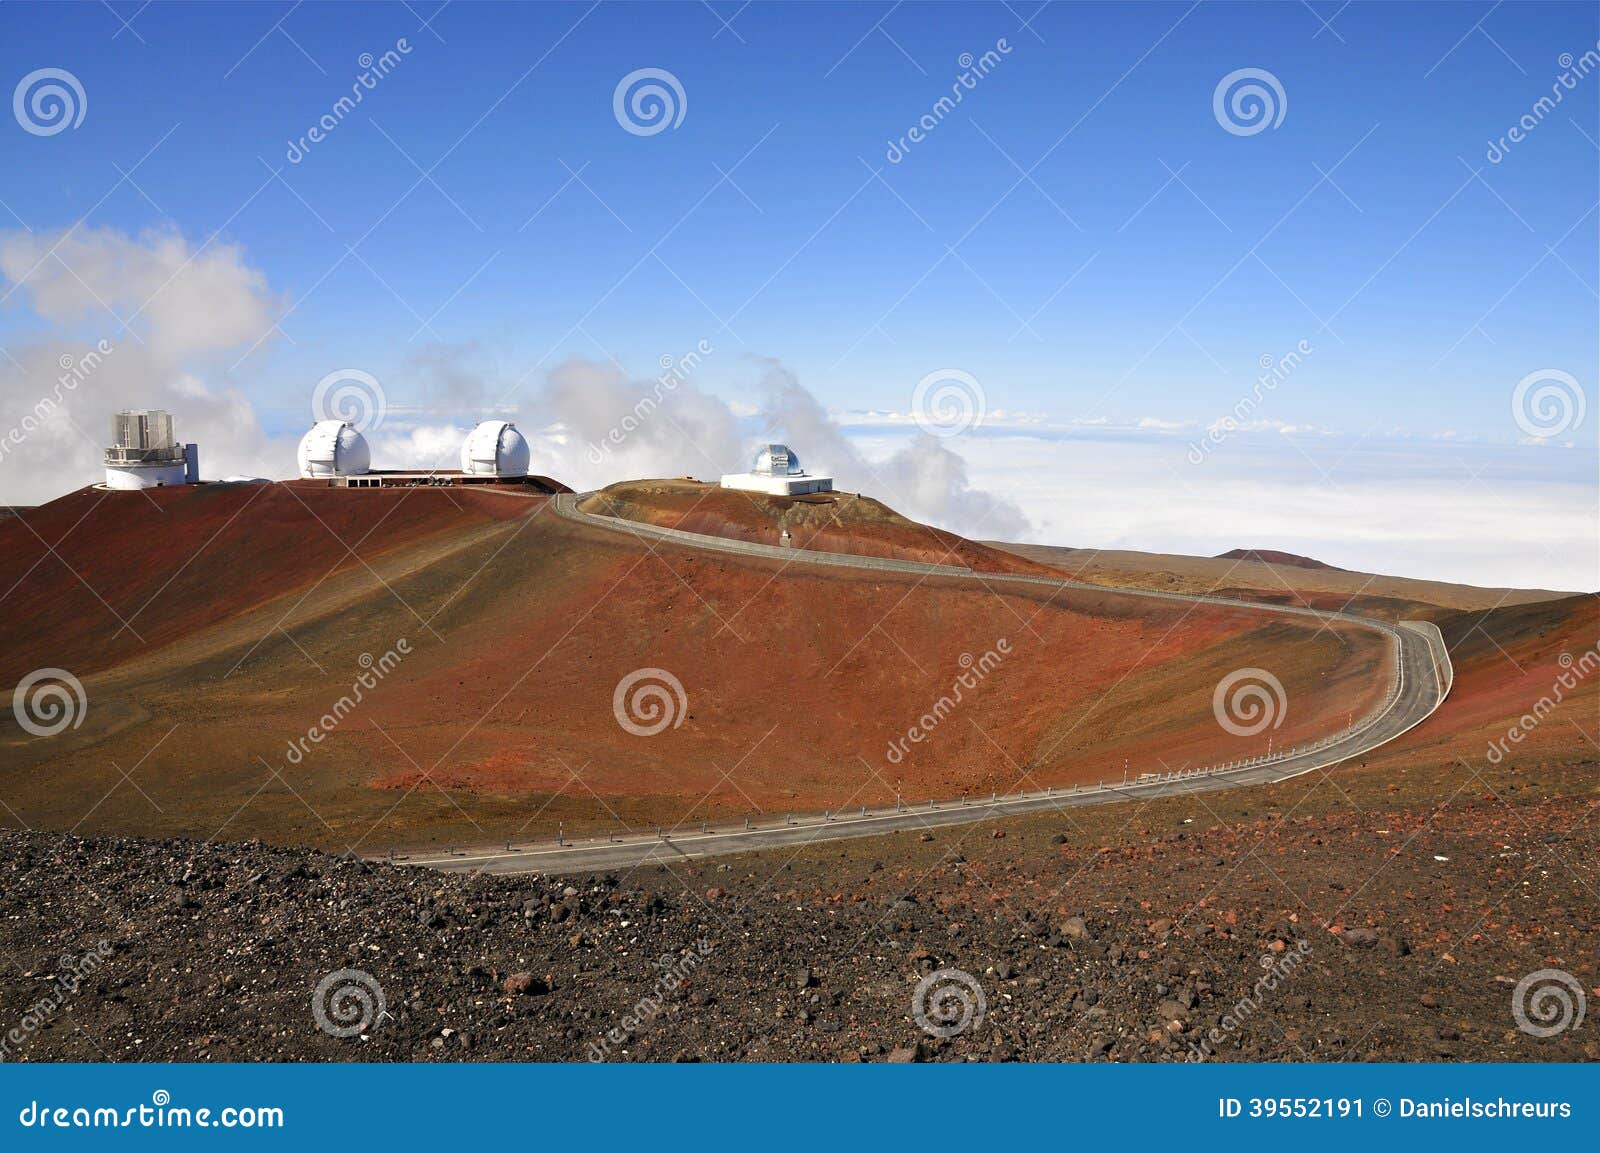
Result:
pixel 776 471
pixel 334 448
pixel 776 460
pixel 495 448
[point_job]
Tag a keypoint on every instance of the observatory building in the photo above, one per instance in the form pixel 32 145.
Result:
pixel 777 472
pixel 495 449
pixel 494 453
pixel 144 453
pixel 334 448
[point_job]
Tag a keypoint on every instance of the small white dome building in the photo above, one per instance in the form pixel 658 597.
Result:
pixel 334 448
pixel 776 471
pixel 495 449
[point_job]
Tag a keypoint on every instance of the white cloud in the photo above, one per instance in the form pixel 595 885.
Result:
pixel 185 308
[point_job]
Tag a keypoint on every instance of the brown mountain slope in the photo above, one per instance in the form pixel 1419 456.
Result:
pixel 494 638
pixel 98 577
pixel 1387 597
pixel 827 522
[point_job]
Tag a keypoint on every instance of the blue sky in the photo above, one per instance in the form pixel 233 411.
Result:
pixel 1139 271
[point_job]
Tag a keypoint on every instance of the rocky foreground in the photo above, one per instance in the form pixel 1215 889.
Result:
pixel 1314 920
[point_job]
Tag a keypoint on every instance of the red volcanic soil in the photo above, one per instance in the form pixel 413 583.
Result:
pixel 826 522
pixel 1532 670
pixel 1272 556
pixel 98 577
pixel 509 631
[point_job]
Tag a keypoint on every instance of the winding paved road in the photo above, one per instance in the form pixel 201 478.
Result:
pixel 1424 678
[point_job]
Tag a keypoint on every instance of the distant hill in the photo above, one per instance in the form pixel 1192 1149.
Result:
pixel 1272 556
